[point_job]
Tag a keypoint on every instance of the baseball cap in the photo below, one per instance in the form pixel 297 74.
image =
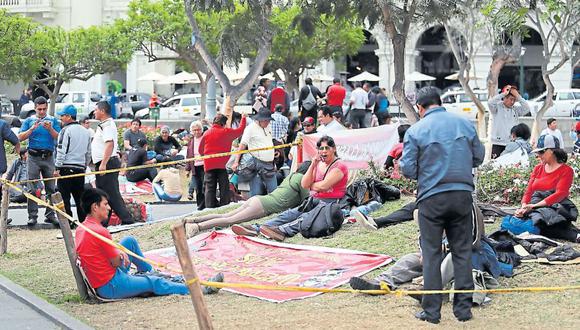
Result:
pixel 547 142
pixel 308 121
pixel 577 127
pixel 68 110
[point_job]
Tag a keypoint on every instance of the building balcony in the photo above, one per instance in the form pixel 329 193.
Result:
pixel 43 7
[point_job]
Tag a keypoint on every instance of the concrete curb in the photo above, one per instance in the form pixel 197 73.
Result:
pixel 59 317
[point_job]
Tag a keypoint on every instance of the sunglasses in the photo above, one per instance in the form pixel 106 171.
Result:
pixel 324 148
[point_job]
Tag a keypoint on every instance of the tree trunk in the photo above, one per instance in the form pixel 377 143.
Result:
pixel 398 42
pixel 203 101
pixel 291 83
pixel 538 123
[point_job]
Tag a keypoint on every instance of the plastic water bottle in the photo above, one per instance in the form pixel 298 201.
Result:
pixel 368 208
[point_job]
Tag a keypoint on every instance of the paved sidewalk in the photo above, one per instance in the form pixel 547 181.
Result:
pixel 21 309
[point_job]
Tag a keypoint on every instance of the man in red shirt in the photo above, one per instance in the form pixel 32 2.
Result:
pixel 278 96
pixel 216 140
pixel 107 268
pixel 335 95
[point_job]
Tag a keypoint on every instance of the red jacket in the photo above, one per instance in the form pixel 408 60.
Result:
pixel 560 181
pixel 335 95
pixel 216 140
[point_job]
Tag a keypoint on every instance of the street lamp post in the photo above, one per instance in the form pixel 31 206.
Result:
pixel 522 80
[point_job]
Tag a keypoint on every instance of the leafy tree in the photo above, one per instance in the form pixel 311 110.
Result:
pixel 15 46
pixel 164 23
pixel 249 28
pixel 395 17
pixel 78 54
pixel 50 56
pixel 293 50
pixel 558 23
pixel 464 35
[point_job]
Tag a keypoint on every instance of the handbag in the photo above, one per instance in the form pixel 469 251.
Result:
pixel 247 168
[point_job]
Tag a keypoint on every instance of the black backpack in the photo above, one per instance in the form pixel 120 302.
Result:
pixel 324 219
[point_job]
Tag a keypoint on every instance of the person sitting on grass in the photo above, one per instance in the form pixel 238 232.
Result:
pixel 546 198
pixel 397 150
pixel 166 147
pixel 107 268
pixel 289 194
pixel 170 187
pixel 138 156
pixel 326 179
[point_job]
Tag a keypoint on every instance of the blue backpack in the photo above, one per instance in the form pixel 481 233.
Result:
pixel 517 226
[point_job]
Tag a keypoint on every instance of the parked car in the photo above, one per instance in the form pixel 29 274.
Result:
pixel 186 106
pixel 457 101
pixel 134 101
pixel 6 105
pixel 565 101
pixel 84 101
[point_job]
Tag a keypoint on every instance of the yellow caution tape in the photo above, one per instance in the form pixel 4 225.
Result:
pixel 59 208
pixel 174 162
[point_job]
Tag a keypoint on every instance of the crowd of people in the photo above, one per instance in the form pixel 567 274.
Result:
pixel 440 152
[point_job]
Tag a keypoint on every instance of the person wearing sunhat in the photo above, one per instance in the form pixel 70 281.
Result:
pixel 258 166
pixel 546 198
pixel 73 154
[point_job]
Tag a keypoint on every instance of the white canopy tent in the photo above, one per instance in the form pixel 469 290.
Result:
pixel 183 77
pixel 418 76
pixel 365 76
pixel 152 76
pixel 455 76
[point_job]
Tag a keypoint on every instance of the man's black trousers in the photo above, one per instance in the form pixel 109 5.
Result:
pixel 212 179
pixel 72 187
pixel 109 183
pixel 450 212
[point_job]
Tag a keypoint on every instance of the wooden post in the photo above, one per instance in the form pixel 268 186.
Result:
pixel 203 317
pixel 69 243
pixel 4 220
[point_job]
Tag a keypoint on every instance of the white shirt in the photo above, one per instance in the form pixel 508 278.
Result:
pixel 555 133
pixel 257 137
pixel 360 98
pixel 106 131
pixel 333 126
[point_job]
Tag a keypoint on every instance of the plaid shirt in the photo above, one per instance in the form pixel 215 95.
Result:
pixel 279 126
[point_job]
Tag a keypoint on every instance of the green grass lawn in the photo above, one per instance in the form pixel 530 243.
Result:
pixel 37 261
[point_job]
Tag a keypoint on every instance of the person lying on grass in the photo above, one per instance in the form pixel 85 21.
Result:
pixel 107 268
pixel 326 179
pixel 288 195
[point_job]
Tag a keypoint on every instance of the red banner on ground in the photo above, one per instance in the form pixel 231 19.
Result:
pixel 256 261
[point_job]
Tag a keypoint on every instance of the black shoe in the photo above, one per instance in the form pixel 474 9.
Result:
pixel 464 318
pixel 8 221
pixel 32 222
pixel 129 221
pixel 219 277
pixel 53 222
pixel 423 317
pixel 359 283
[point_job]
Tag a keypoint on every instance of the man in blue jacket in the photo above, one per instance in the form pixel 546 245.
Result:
pixel 41 131
pixel 440 152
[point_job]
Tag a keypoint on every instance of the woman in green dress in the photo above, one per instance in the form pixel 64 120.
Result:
pixel 289 194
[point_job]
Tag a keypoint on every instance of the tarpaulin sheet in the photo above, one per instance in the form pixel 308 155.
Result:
pixel 251 260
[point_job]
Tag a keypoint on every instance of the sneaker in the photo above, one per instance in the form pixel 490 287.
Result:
pixel 422 315
pixel 52 221
pixel 465 318
pixel 8 221
pixel 190 197
pixel 272 233
pixel 365 221
pixel 219 277
pixel 359 283
pixel 245 230
pixel 32 222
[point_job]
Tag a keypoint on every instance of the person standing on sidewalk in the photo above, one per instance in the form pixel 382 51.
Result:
pixel 73 155
pixel 218 139
pixel 440 152
pixel 41 132
pixel 105 154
